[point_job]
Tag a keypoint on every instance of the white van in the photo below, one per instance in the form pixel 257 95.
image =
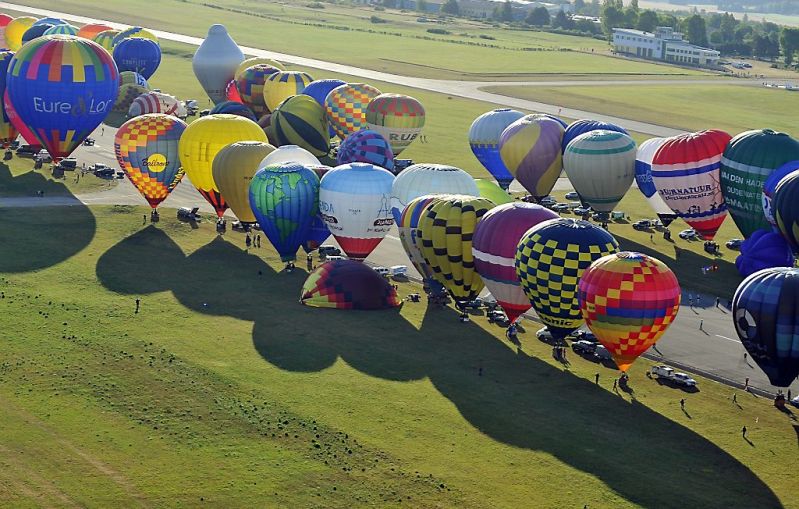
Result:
pixel 399 270
pixel 382 271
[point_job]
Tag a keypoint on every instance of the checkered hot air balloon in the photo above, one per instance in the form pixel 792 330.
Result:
pixel 345 284
pixel 398 118
pixel 686 173
pixel 366 146
pixel 628 300
pixel 250 85
pixel 550 259
pixel 282 85
pixel 345 107
pixel 496 239
pixel 530 150
pixel 147 151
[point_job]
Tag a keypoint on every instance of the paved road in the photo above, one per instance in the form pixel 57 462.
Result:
pixel 467 89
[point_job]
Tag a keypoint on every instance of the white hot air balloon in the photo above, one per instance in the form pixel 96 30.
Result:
pixel 215 62
pixel 421 179
pixel 291 154
pixel 643 178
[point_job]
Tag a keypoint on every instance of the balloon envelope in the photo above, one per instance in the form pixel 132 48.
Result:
pixel 250 85
pixel 489 190
pixel 106 39
pixel 345 107
pixel 299 120
pixel 484 135
pixel 139 32
pixel 233 170
pixel 319 89
pixel 426 179
pixel 766 313
pixel 215 62
pixel 291 154
pixel 643 179
pixel 628 300
pixel 530 149
pixel 139 55
pixel 15 29
pixel 786 209
pixel 366 146
pixel 34 32
pixel 146 148
pixel 770 186
pixel 496 239
pixel 346 284
pixel 249 62
pixel 398 118
pixel 62 29
pixel 408 225
pixel 92 29
pixel 763 249
pixel 583 126
pixel 281 85
pixel 8 132
pixel 233 108
pixel 132 78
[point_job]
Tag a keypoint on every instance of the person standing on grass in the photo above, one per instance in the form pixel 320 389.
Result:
pixel 735 397
pixel 743 432
pixel 746 384
pixel 138 303
pixel 596 379
pixel 701 325
pixel 682 404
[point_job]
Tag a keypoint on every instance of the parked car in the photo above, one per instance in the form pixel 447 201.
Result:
pixel 548 201
pixel 383 271
pixel 684 380
pixel 668 373
pixel 560 207
pixel 734 244
pixel 689 234
pixel 584 347
pixel 583 335
pixel 473 304
pixel 643 224
pixel 333 258
pixel 582 211
pixel 795 401
pixel 544 335
pixel 28 150
pixel 602 353
pixel 398 271
pixel 498 317
pixel 68 163
pixel 88 142
pixel 43 156
pixel 239 226
pixel 329 250
pixel 205 112
pixel 188 214
pixel 572 195
pixel 575 205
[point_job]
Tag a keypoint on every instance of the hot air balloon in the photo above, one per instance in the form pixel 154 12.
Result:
pixel 282 85
pixel 147 151
pixel 250 84
pixel 62 87
pixel 126 95
pixel 766 309
pixel 446 228
pixel 299 120
pixel 106 39
pixel 15 29
pixel 408 225
pixel 318 231
pixel 345 107
pixel 285 200
pixel 530 150
pixel 786 209
pixel 203 140
pixel 425 179
pixel 488 189
pixel 345 284
pixel 398 118
pixel 484 137
pixel 550 259
pixel 154 102
pixel 21 127
pixel 232 92
pixel 132 78
pixel 49 21
pixel 746 164
pixel 62 29
pixel 763 249
pixel 8 132
pixel 643 178
pixel 138 55
pixel 291 154
pixel 5 19
pixel 366 146
pixel 601 167
pixel 583 126
pixel 215 62
pixel 246 64
pixel 233 108
pixel 628 300
pixel 496 239
pixel 685 170
pixel 91 30
pixel 318 89
pixel 233 169
pixel 770 186
pixel 139 32
pixel 354 200
pixel 35 32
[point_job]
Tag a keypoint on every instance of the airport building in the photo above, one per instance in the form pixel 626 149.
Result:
pixel 665 44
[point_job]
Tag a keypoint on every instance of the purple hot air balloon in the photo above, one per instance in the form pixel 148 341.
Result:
pixel 494 246
pixel 763 250
pixel 530 149
pixel 366 146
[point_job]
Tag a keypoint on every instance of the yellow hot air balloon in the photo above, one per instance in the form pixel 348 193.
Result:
pixel 282 85
pixel 203 140
pixel 246 64
pixel 233 169
pixel 15 29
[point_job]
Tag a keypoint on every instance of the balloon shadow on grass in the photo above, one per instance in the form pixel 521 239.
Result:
pixel 508 395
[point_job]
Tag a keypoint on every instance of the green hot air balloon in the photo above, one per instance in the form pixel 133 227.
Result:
pixel 747 162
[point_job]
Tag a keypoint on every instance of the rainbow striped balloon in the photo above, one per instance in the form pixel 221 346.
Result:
pixel 62 87
pixel 345 107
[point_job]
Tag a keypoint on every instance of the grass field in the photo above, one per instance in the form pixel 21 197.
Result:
pixel 225 391
pixel 732 108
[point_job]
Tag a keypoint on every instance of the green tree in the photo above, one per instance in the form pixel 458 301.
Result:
pixel 506 13
pixel 579 6
pixel 633 5
pixel 789 41
pixel 538 17
pixel 667 20
pixel 612 17
pixel 647 21
pixel 451 7
pixel 561 20
pixel 695 30
pixel 421 5
pixel 727 28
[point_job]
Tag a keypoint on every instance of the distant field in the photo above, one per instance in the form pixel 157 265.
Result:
pixel 701 6
pixel 732 108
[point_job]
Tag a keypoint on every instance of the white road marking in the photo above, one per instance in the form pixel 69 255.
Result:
pixel 728 339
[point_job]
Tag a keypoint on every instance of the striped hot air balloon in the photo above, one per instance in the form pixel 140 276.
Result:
pixel 345 107
pixel 233 108
pixel 424 179
pixel 282 85
pixel 250 85
pixel 770 186
pixel 300 120
pixel 496 239
pixel 408 224
pixel 366 146
pixel 140 32
pixel 154 102
pixel 601 167
pixel 62 29
pixel 398 118
pixel 106 39
pixel 643 179
pixel 686 174
pixel 8 132
pixel 628 300
pixel 91 30
pixel 5 19
pixel 345 284
pixel 530 150
pixel 583 126
pixel 147 151
pixel 484 135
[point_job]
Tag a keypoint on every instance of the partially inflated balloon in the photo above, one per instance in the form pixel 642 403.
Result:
pixel 643 179
pixel 147 151
pixel 496 239
pixel 250 85
pixel 786 209
pixel 299 120
pixel 530 150
pixel 426 179
pixel 233 108
pixel 233 169
pixel 106 39
pixel 579 127
pixel 398 118
pixel 488 189
pixel 749 159
pixel 62 29
pixel 345 284
pixel 285 199
pixel 354 200
pixel 291 154
pixel 282 85
pixel 408 225
pixel 246 64
pixel 763 249
pixel 203 140
pixel 215 62
pixel 62 87
pixel 686 174
pixel 140 32
pixel 770 187
pixel 766 313
pixel 446 228
pixel 92 29
pixel 484 135
pixel 15 30
pixel 345 107
pixel 8 132
pixel 550 260
pixel 628 300
pixel 601 167
pixel 139 55
pixel 366 146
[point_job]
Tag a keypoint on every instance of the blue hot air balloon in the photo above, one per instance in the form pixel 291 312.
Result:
pixel 319 89
pixel 34 32
pixel 285 201
pixel 50 21
pixel 484 137
pixel 579 127
pixel 233 108
pixel 138 55
pixel 763 250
